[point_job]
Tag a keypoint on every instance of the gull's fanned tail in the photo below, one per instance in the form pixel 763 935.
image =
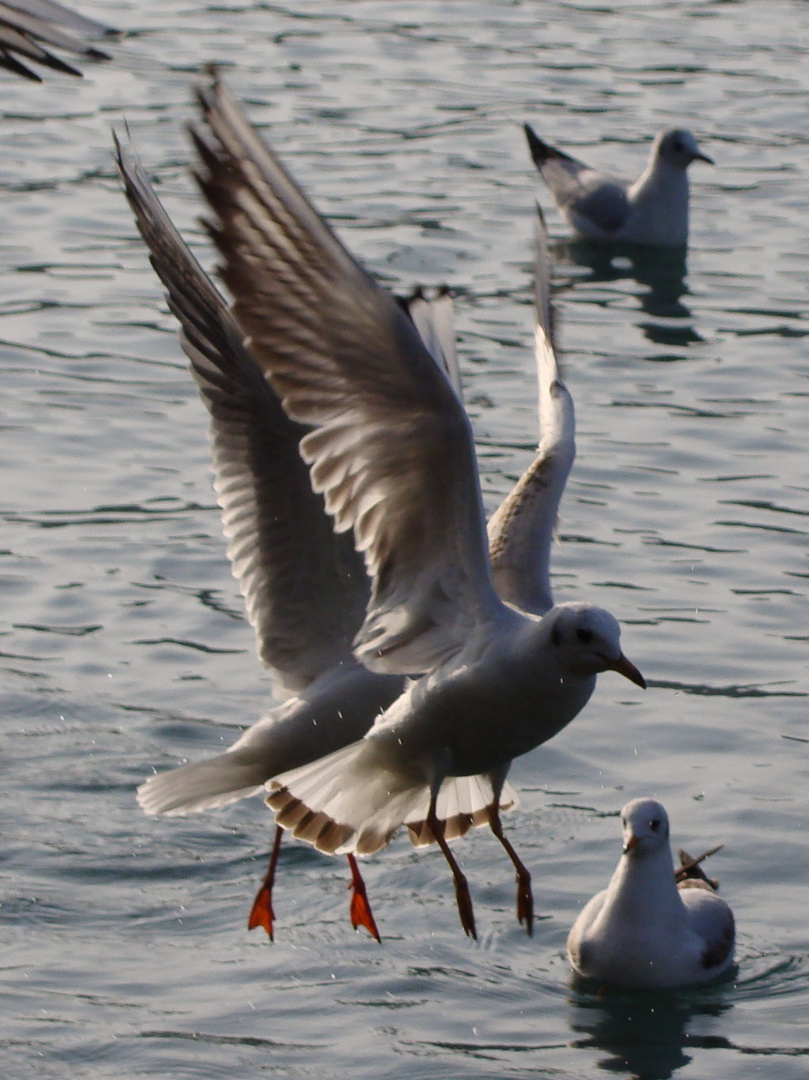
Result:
pixel 204 785
pixel 344 802
pixel 350 802
pixel 464 803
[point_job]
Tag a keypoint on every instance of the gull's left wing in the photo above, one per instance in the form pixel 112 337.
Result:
pixel 521 530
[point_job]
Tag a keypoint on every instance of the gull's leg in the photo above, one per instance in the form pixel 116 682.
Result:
pixel 461 886
pixel 525 899
pixel 361 914
pixel 261 913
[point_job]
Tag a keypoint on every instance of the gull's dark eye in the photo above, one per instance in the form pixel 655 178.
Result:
pixel 654 824
pixel 584 636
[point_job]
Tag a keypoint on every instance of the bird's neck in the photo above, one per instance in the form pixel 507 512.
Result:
pixel 663 188
pixel 660 204
pixel 644 886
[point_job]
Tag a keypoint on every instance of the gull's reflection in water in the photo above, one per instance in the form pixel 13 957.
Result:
pixel 660 272
pixel 646 1035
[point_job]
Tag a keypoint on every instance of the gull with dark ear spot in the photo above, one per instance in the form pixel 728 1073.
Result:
pixel 646 930
pixel 390 452
pixel 30 28
pixel 650 210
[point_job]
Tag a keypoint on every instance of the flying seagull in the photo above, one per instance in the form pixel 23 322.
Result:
pixel 305 586
pixel 391 450
pixel 297 574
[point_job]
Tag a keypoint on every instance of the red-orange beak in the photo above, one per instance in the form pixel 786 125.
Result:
pixel 631 844
pixel 627 669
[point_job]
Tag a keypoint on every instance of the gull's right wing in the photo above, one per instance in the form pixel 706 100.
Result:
pixel 434 319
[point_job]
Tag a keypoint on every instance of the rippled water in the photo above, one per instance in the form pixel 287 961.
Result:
pixel 122 641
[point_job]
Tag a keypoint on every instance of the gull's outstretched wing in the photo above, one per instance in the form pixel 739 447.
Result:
pixel 543 272
pixel 521 530
pixel 305 587
pixel 392 448
pixel 27 27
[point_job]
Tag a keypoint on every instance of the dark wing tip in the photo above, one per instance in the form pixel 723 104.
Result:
pixel 717 952
pixel 541 152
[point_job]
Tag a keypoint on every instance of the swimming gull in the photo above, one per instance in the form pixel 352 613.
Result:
pixel 650 210
pixel 645 930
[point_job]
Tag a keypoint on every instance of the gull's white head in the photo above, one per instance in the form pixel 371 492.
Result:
pixel 587 640
pixel 678 148
pixel 645 827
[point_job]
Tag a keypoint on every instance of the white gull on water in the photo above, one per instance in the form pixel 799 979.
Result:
pixel 391 450
pixel 644 930
pixel 650 210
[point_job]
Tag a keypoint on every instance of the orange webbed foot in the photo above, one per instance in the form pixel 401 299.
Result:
pixel 261 913
pixel 360 908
